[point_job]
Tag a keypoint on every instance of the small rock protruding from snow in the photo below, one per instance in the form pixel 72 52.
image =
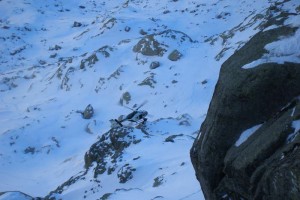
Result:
pixel 204 82
pixel 88 112
pixel 154 65
pixel 175 55
pixel 77 24
pixel 55 48
pixel 172 137
pixel 127 28
pixel 158 181
pixel 126 97
pixel 142 32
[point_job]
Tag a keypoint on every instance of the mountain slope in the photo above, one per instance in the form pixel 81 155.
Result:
pixel 57 57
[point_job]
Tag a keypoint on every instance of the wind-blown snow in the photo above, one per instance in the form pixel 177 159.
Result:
pixel 246 134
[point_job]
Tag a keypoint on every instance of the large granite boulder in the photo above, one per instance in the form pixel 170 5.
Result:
pixel 266 164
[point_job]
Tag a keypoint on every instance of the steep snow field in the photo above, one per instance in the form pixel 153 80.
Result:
pixel 56 57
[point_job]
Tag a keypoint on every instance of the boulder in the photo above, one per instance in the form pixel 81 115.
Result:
pixel 127 29
pixel 77 24
pixel 174 55
pixel 88 112
pixel 154 65
pixel 148 46
pixel 125 99
pixel 266 165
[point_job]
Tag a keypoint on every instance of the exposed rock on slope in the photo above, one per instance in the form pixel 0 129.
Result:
pixel 106 155
pixel 148 46
pixel 267 165
pixel 110 146
pixel 118 155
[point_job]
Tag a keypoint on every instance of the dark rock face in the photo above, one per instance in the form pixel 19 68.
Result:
pixel 266 165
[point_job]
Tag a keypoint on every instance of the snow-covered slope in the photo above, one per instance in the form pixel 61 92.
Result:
pixel 59 56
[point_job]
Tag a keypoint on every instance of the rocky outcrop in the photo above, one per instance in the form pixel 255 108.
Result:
pixel 110 147
pixel 148 46
pixel 90 61
pixel 104 157
pixel 267 164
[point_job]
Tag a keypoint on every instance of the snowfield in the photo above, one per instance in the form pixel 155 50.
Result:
pixel 56 57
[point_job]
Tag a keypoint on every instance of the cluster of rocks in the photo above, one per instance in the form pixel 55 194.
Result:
pixel 149 46
pixel 107 152
pixel 105 156
pixel 89 61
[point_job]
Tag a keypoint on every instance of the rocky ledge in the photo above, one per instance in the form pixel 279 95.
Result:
pixel 248 145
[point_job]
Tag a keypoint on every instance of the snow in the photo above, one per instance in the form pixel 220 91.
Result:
pixel 246 134
pixel 296 126
pixel 14 196
pixel 293 112
pixel 43 139
pixel 284 50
